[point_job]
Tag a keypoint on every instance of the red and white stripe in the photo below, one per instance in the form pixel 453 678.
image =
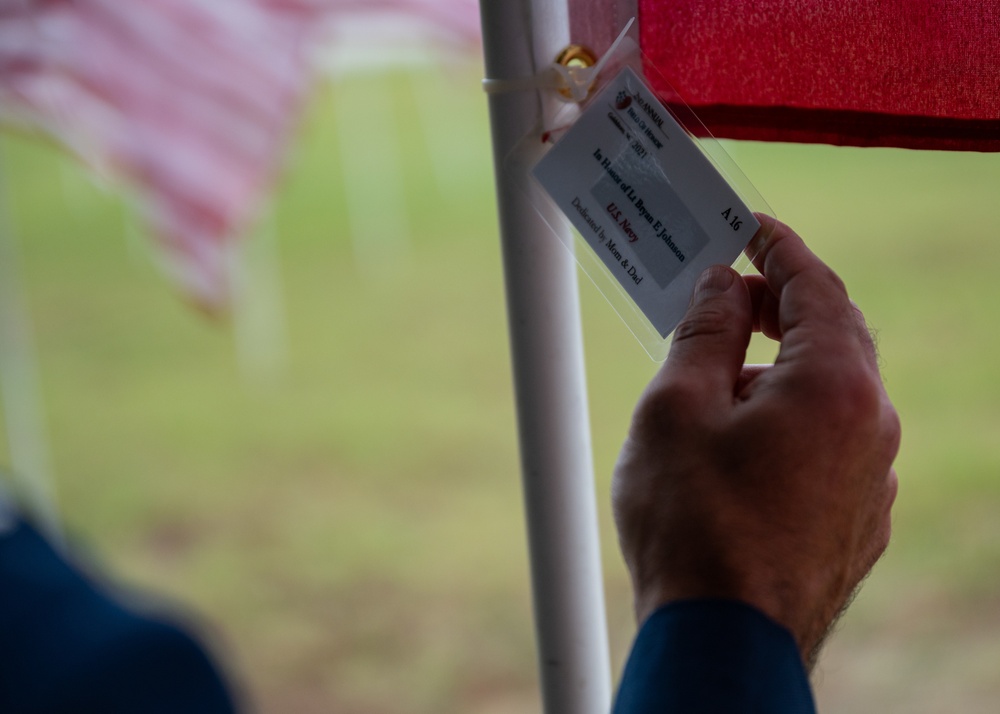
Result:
pixel 189 103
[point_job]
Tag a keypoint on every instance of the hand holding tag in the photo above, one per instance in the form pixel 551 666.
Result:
pixel 652 209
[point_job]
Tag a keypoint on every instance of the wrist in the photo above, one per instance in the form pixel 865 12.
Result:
pixel 782 602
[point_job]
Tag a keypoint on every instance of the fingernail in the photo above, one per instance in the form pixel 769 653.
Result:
pixel 715 280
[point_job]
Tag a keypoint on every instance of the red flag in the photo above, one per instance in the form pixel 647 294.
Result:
pixel 909 73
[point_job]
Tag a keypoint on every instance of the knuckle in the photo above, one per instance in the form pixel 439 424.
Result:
pixel 850 395
pixel 854 401
pixel 861 394
pixel 705 321
pixel 673 408
pixel 658 411
pixel 823 273
pixel 835 280
pixel 893 429
pixel 884 536
pixel 891 491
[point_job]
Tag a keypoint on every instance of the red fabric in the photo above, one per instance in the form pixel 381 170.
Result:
pixel 909 73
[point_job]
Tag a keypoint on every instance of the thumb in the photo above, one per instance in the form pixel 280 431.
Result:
pixel 710 343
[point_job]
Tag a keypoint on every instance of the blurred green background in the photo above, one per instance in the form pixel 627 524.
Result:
pixel 340 508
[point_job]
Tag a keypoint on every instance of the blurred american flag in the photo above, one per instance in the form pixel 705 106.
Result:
pixel 190 103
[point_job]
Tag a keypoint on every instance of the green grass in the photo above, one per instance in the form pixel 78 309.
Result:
pixel 351 527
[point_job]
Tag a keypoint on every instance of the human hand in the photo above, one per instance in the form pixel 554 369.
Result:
pixel 767 484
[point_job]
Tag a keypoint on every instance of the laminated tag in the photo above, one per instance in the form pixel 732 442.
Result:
pixel 647 201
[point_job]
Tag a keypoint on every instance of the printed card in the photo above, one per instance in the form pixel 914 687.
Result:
pixel 645 198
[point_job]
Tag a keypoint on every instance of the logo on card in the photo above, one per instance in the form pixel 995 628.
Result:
pixel 623 100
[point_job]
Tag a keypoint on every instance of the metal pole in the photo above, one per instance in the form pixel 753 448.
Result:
pixel 520 36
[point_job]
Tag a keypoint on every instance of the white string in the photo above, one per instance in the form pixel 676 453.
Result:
pixel 573 84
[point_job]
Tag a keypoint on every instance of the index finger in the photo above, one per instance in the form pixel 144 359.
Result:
pixel 814 310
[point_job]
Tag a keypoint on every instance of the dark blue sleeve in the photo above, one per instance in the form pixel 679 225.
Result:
pixel 66 646
pixel 713 657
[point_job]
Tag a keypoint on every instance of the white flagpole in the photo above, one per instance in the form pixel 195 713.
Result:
pixel 519 37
